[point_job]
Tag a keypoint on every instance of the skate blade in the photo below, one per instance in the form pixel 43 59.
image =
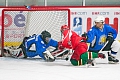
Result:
pixel 111 62
pixel 89 65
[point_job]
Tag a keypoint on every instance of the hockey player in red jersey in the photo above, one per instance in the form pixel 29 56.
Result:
pixel 80 55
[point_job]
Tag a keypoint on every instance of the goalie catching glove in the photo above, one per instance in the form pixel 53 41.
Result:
pixel 48 56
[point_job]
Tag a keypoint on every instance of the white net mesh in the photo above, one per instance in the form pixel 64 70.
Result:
pixel 18 24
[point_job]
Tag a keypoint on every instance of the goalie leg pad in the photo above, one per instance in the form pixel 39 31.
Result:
pixel 6 52
pixel 18 53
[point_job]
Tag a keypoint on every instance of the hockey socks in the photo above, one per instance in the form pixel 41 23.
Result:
pixel 84 59
pixel 87 58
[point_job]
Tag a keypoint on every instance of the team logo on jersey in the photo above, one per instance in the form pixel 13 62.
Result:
pixel 102 40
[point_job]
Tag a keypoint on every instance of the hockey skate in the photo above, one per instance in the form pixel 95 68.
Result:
pixel 112 59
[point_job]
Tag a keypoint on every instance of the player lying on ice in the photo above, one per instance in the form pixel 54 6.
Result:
pixel 101 33
pixel 33 46
pixel 80 55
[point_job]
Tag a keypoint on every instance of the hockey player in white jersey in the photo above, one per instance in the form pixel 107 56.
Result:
pixel 101 33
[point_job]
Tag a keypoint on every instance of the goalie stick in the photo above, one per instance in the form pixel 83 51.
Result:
pixel 62 54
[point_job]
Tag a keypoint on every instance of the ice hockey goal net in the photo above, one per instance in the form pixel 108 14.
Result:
pixel 18 23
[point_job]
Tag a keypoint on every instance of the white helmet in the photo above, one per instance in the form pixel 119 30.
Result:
pixel 99 19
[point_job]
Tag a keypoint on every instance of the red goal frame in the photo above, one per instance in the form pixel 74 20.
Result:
pixel 32 9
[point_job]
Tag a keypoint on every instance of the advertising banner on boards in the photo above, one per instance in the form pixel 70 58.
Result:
pixel 82 19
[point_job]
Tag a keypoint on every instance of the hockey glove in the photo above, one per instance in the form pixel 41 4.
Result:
pixel 110 37
pixel 84 35
pixel 60 47
pixel 83 39
pixel 101 55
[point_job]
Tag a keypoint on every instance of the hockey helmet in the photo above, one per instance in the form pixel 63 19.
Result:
pixel 99 19
pixel 46 36
pixel 64 27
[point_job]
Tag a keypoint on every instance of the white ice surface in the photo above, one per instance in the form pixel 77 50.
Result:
pixel 18 69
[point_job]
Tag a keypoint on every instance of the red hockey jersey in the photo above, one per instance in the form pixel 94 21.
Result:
pixel 73 41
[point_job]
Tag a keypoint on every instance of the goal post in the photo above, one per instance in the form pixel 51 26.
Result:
pixel 18 23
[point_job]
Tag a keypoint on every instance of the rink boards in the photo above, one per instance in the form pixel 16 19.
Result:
pixel 81 19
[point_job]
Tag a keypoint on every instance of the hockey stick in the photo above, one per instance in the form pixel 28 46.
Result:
pixel 63 54
pixel 103 47
pixel 101 51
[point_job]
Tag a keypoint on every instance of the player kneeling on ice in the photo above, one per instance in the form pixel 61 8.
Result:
pixel 102 36
pixel 80 55
pixel 35 45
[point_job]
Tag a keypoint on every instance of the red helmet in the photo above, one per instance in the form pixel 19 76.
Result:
pixel 64 27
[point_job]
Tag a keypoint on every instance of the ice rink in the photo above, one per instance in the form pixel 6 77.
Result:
pixel 35 69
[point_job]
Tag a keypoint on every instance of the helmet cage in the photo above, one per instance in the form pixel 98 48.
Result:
pixel 64 27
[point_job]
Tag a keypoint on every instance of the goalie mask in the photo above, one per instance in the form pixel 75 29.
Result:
pixel 46 36
pixel 64 27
